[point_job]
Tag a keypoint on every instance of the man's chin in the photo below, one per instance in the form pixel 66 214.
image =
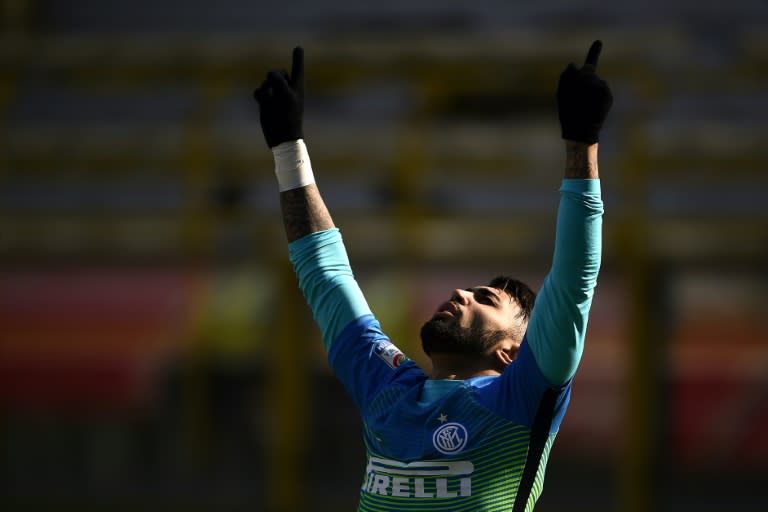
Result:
pixel 440 333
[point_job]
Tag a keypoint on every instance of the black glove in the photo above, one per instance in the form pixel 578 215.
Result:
pixel 281 102
pixel 583 99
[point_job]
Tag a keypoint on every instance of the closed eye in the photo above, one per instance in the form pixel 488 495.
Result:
pixel 485 296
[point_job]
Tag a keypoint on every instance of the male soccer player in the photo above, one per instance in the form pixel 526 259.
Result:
pixel 475 434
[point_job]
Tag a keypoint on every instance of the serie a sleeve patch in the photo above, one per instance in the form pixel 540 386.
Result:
pixel 389 353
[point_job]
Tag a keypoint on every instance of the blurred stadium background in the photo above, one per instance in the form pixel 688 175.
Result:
pixel 154 351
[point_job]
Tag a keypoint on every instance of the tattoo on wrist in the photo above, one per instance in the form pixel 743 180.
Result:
pixel 580 160
pixel 304 212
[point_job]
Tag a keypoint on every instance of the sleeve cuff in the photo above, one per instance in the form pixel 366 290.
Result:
pixel 589 186
pixel 313 241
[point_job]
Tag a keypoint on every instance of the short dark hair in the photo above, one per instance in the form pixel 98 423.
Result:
pixel 518 290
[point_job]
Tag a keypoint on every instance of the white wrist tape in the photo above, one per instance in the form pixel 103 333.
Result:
pixel 292 166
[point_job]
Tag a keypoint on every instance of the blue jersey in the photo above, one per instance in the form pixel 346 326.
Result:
pixel 450 445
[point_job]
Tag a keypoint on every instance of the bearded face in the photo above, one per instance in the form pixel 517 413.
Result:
pixel 472 322
pixel 440 335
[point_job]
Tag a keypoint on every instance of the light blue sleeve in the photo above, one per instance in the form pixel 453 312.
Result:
pixel 558 323
pixel 325 277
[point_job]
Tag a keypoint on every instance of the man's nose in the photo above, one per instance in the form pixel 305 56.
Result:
pixel 461 296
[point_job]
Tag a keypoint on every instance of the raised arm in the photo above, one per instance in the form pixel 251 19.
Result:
pixel 281 107
pixel 558 323
pixel 315 246
pixel 304 212
pixel 584 100
pixel 359 352
pixel 580 160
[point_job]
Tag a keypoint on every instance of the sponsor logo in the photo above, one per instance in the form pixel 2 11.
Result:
pixel 450 438
pixel 420 479
pixel 389 353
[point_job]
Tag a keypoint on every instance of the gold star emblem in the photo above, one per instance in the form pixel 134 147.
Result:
pixel 442 418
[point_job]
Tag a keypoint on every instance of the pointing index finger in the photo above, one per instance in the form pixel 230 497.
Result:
pixel 593 55
pixel 297 69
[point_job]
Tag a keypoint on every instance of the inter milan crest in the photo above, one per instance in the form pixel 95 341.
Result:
pixel 450 438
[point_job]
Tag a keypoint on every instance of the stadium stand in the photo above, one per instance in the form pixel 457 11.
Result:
pixel 146 314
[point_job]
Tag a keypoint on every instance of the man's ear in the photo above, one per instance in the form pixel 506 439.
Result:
pixel 504 355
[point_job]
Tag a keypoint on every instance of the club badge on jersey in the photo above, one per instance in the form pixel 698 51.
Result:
pixel 450 438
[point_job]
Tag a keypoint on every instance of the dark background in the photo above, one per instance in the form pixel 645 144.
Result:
pixel 155 353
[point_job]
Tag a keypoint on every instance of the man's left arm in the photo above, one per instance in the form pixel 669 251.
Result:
pixel 557 327
pixel 558 323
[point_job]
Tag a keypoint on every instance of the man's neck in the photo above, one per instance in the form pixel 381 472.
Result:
pixel 459 367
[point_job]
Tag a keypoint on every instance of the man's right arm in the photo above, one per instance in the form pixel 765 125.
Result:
pixel 315 246
pixel 304 212
pixel 359 352
pixel 281 112
pixel 320 261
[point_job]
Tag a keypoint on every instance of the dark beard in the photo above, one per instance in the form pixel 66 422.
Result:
pixel 446 336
